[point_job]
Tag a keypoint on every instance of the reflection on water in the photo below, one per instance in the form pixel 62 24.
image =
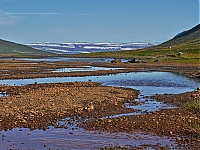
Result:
pixel 144 105
pixel 66 59
pixel 3 94
pixel 86 68
pixel 75 138
pixel 149 83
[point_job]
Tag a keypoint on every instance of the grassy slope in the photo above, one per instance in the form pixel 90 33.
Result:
pixel 187 42
pixel 10 48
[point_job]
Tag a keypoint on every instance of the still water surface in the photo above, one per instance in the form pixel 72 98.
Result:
pixel 149 83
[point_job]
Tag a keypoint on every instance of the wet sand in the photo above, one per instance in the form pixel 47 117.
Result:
pixel 39 106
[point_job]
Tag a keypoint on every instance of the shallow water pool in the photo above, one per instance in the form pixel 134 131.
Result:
pixel 66 59
pixel 85 68
pixel 149 83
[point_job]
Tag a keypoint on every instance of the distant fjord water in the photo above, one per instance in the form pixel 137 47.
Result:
pixel 85 47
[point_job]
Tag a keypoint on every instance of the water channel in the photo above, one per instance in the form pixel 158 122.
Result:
pixel 66 59
pixel 149 83
pixel 85 68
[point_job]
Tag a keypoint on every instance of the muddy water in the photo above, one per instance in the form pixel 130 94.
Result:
pixel 149 83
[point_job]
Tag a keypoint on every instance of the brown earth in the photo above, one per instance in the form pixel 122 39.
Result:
pixel 41 105
pixel 19 69
pixel 177 123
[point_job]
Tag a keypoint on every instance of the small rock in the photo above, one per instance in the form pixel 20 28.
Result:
pixel 117 60
pixel 109 121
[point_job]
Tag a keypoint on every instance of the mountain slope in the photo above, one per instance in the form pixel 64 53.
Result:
pixel 7 47
pixel 187 39
pixel 187 42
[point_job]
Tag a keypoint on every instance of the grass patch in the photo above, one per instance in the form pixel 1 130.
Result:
pixel 194 106
pixel 152 54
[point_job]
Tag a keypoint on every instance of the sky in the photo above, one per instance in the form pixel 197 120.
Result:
pixel 38 21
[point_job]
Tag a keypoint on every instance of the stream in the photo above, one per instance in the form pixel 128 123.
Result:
pixel 65 59
pixel 74 137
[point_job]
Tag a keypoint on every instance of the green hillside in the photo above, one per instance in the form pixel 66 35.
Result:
pixel 187 39
pixel 10 48
pixel 187 42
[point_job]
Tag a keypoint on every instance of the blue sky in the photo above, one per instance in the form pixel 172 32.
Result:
pixel 154 21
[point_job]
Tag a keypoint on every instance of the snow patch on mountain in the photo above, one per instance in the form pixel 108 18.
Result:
pixel 85 47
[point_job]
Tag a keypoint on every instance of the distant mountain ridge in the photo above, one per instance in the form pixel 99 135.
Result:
pixel 187 40
pixel 7 47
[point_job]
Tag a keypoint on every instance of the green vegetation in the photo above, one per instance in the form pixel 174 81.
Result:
pixel 194 106
pixel 187 42
pixel 11 48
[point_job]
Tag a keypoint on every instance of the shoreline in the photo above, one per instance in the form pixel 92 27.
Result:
pixel 18 69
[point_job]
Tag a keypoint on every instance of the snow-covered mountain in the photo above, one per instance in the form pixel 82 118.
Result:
pixel 85 47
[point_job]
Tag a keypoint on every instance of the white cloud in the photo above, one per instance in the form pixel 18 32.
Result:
pixel 25 13
pixel 9 20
